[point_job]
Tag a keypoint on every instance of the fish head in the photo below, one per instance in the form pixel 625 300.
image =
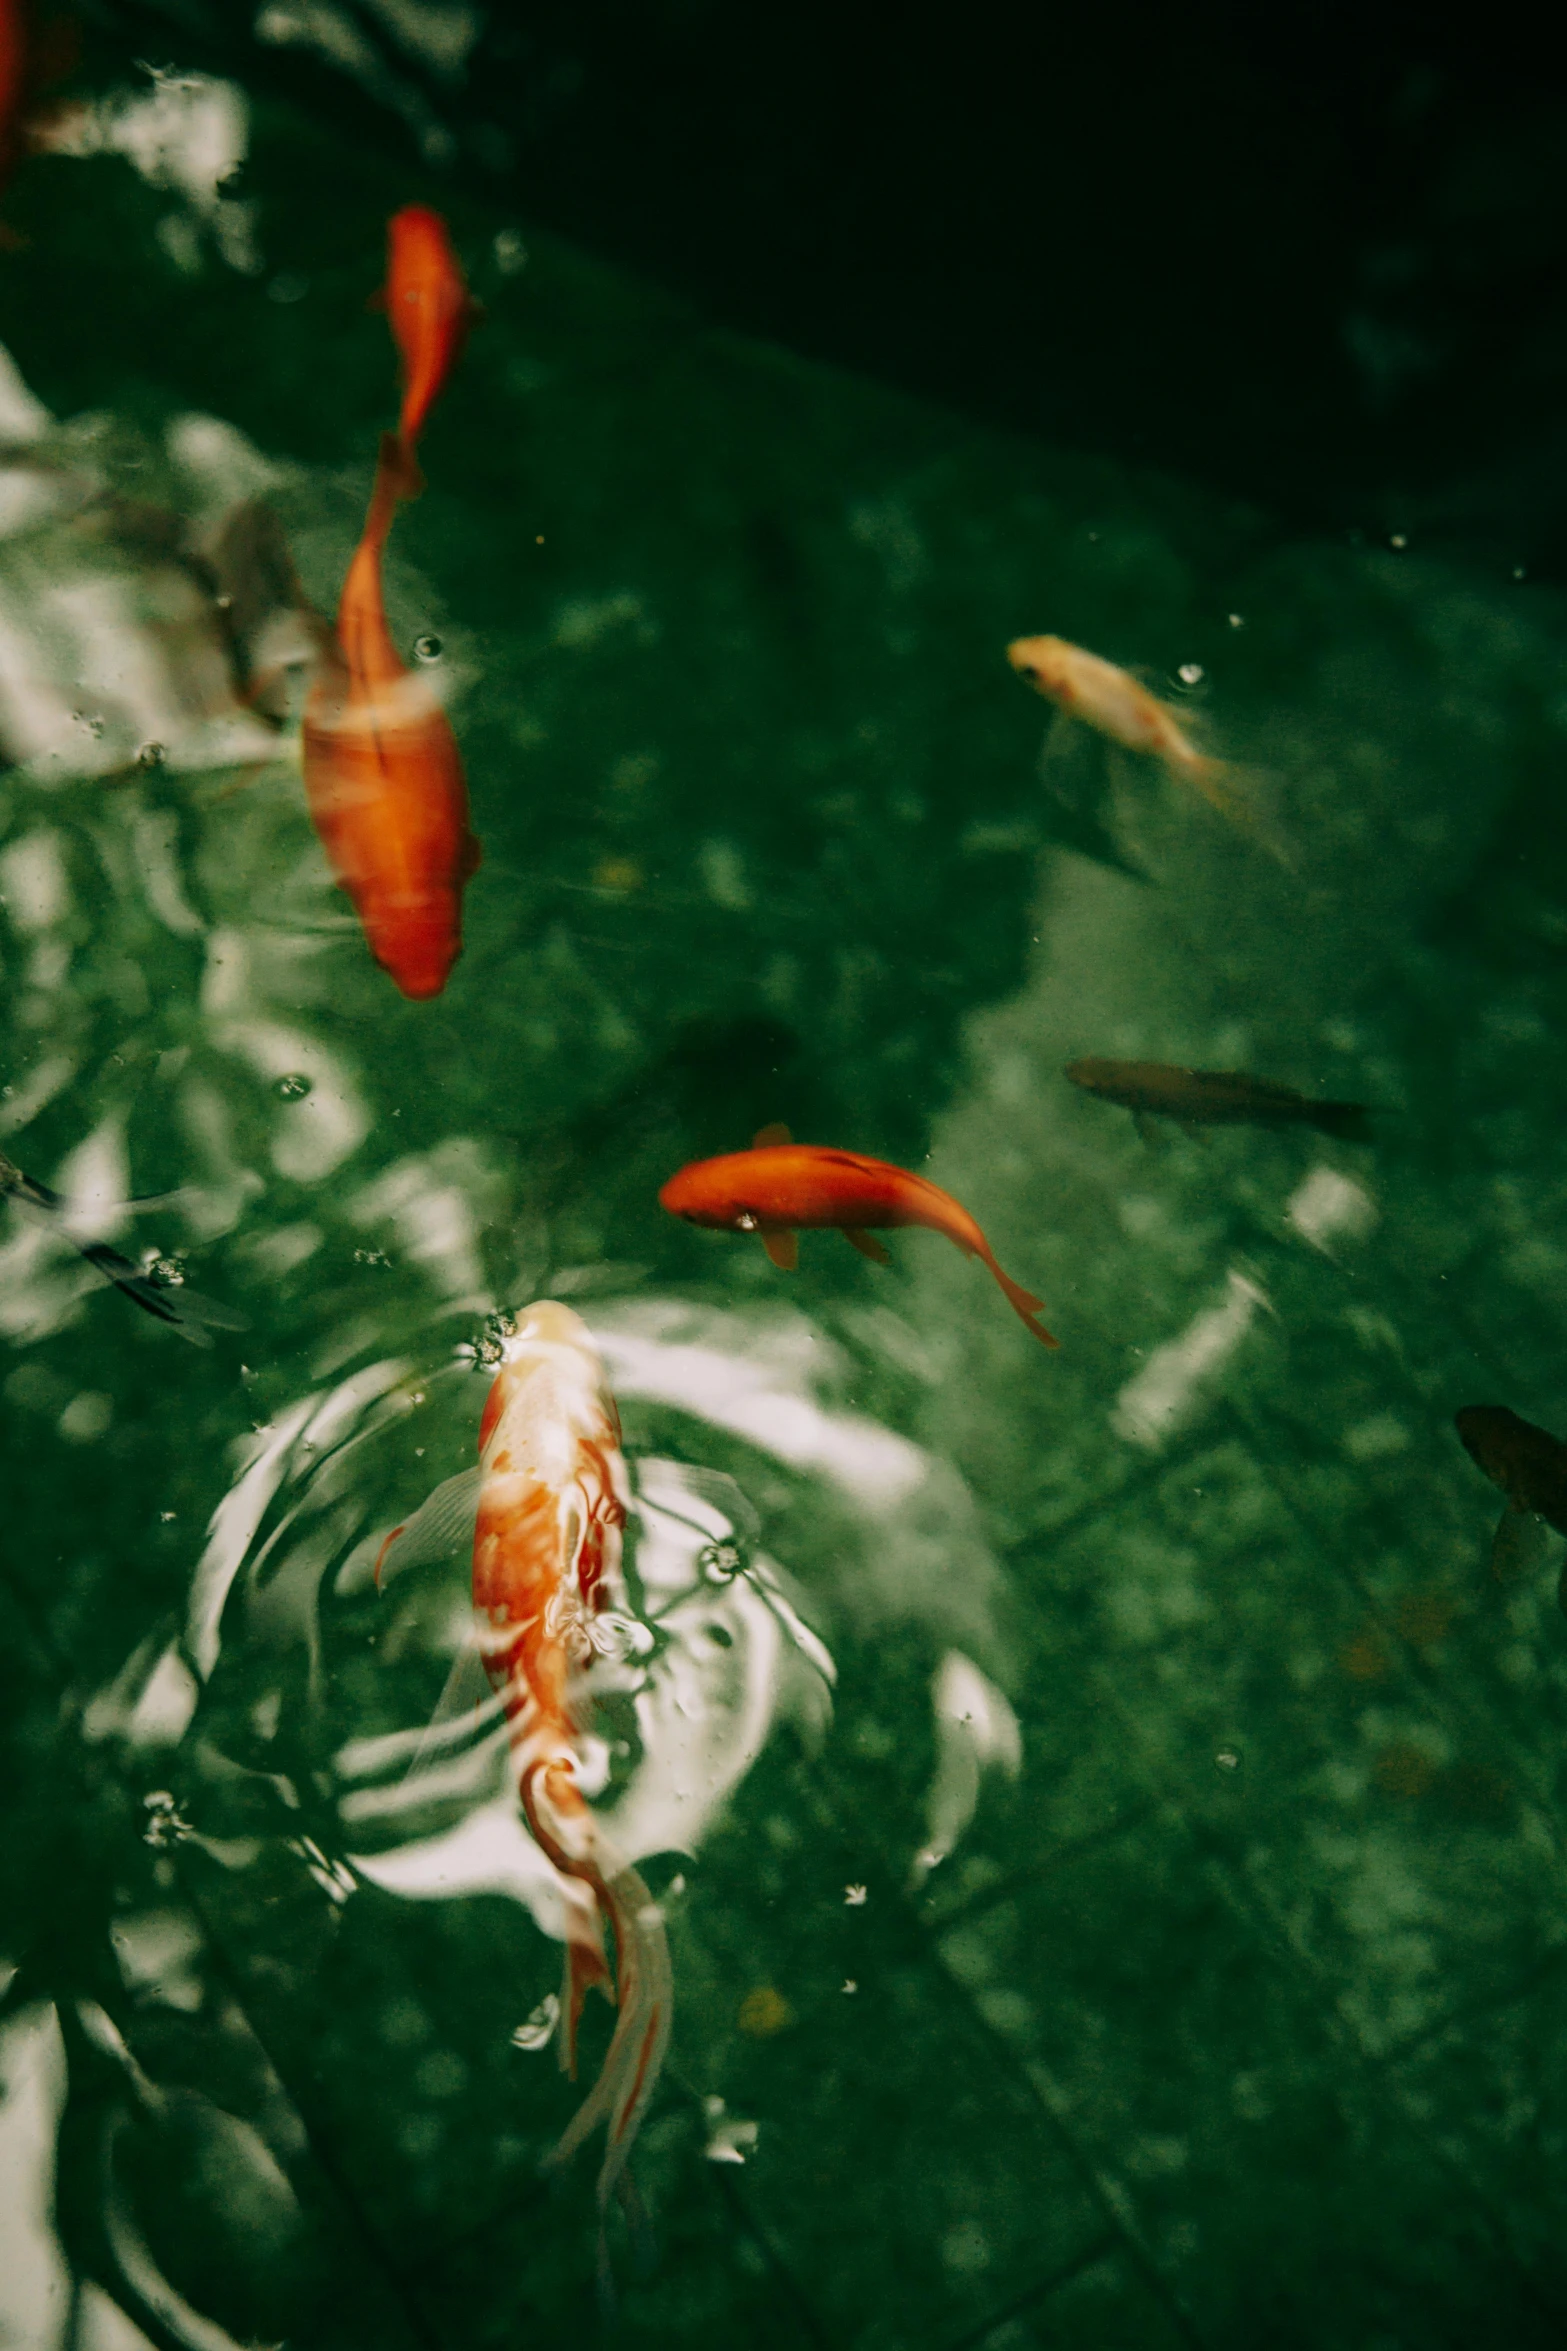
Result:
pixel 1092 1075
pixel 703 1194
pixel 418 950
pixel 1489 1433
pixel 1043 661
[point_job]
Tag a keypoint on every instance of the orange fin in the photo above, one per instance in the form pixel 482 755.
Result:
pixel 1023 1303
pixel 867 1244
pixel 783 1249
pixel 770 1138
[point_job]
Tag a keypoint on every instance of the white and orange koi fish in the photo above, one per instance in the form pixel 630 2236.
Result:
pixel 547 1595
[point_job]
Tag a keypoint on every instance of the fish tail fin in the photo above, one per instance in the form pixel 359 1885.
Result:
pixel 1024 1304
pixel 1347 1122
pixel 1247 797
pixel 586 1968
pixel 645 1984
pixel 400 467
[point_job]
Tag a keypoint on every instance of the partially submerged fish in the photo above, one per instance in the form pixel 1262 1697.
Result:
pixel 429 309
pixel 779 1188
pixel 547 1592
pixel 157 1289
pixel 1112 701
pixel 1530 1467
pixel 383 775
pixel 1214 1097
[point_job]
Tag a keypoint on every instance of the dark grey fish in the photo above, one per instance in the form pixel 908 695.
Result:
pixel 158 1292
pixel 1530 1467
pixel 1215 1097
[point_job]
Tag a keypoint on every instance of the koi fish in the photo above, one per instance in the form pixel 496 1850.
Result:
pixel 160 1293
pixel 780 1187
pixel 547 1591
pixel 429 309
pixel 383 775
pixel 1530 1467
pixel 1112 702
pixel 1214 1097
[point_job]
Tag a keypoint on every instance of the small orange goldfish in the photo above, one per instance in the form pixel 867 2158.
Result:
pixel 429 309
pixel 780 1187
pixel 1111 701
pixel 383 775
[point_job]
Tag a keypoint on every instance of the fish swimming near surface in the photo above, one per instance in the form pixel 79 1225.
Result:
pixel 1116 705
pixel 779 1188
pixel 1214 1097
pixel 430 311
pixel 1530 1467
pixel 547 1597
pixel 158 1289
pixel 383 775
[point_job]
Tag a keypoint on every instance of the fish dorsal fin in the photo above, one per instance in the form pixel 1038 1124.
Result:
pixel 867 1244
pixel 771 1138
pixel 783 1249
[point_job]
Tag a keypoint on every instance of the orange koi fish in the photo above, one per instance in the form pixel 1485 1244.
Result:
pixel 1112 702
pixel 429 309
pixel 547 1594
pixel 383 775
pixel 780 1187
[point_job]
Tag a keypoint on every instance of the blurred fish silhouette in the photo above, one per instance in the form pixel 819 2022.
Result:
pixel 780 1187
pixel 157 1288
pixel 383 775
pixel 1530 1467
pixel 429 309
pixel 1113 702
pixel 548 1597
pixel 1214 1097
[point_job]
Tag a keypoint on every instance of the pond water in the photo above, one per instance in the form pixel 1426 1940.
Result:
pixel 1099 1810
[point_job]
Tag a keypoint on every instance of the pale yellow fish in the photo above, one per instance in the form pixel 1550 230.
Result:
pixel 1113 702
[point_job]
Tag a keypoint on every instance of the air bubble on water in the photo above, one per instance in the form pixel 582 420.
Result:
pixel 1519 573
pixel 745 1222
pixel 511 254
pixel 720 1562
pixel 165 1824
pixel 165 1273
pixel 1237 620
pixel 1227 1759
pixel 489 1348
pixel 428 648
pixel 291 1087
pixel 1190 673
pixel 150 755
pixel 1397 539
pixel 371 1257
pixel 539 2030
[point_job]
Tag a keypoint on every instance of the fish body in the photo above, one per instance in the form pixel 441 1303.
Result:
pixel 1527 1463
pixel 1116 705
pixel 1106 698
pixel 383 776
pixel 1214 1097
pixel 553 1496
pixel 429 309
pixel 781 1187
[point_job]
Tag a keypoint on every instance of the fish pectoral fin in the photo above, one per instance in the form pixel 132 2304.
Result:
pixel 771 1138
pixel 1519 1546
pixel 867 1244
pixel 783 1249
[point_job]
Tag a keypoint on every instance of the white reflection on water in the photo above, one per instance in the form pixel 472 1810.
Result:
pixel 1162 1397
